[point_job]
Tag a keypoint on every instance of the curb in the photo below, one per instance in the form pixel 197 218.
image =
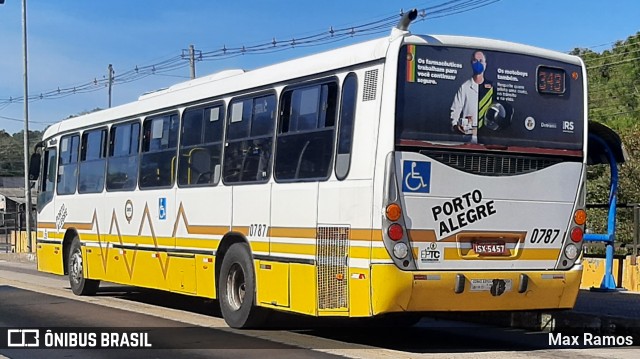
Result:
pixel 600 324
pixel 565 321
pixel 18 257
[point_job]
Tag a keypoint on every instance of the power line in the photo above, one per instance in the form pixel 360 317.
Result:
pixel 446 8
pixel 621 44
pixel 613 63
pixel 612 55
pixel 19 120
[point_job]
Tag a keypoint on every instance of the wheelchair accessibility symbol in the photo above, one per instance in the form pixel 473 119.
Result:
pixel 162 208
pixel 416 176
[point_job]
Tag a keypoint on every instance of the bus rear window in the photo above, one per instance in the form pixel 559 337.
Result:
pixel 466 95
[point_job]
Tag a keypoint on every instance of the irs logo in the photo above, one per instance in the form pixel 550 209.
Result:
pixel 567 126
pixel 23 338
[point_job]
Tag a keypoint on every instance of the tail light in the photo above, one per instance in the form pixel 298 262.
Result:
pixel 395 232
pixel 580 217
pixel 577 234
pixel 393 212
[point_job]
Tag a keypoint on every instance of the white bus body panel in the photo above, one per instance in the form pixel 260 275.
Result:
pixel 542 200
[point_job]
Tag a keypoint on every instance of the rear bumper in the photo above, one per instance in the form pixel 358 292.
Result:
pixel 394 290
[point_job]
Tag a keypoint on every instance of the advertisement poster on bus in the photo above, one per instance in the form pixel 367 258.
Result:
pixel 466 95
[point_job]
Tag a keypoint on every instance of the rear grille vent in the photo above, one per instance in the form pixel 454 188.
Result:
pixel 332 250
pixel 492 164
pixel 370 85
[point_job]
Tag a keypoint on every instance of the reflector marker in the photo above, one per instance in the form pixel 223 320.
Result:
pixel 552 276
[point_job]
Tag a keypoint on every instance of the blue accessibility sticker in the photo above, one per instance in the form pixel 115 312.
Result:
pixel 162 208
pixel 416 176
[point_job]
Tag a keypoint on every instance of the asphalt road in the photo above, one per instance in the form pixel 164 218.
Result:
pixel 183 326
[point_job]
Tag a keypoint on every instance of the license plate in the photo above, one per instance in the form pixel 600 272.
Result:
pixel 490 249
pixel 484 285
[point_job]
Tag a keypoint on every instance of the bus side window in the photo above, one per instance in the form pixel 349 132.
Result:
pixel 122 165
pixel 345 128
pixel 68 165
pixel 92 161
pixel 200 146
pixel 249 140
pixel 159 144
pixel 306 133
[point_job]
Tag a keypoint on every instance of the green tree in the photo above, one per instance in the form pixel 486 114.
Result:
pixel 614 99
pixel 11 152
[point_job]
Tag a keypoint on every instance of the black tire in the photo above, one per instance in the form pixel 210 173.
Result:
pixel 79 284
pixel 237 289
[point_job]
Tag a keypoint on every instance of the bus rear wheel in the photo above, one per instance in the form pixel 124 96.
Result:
pixel 237 289
pixel 79 284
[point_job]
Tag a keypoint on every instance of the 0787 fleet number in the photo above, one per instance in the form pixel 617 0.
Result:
pixel 544 235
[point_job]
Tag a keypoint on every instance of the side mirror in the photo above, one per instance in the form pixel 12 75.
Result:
pixel 34 166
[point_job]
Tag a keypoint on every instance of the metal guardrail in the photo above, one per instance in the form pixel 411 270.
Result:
pixel 8 225
pixel 11 225
pixel 633 248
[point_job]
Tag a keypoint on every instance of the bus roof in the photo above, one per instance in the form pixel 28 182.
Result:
pixel 231 81
pixel 208 87
pixel 490 44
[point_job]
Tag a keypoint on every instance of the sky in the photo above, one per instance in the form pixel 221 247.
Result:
pixel 72 42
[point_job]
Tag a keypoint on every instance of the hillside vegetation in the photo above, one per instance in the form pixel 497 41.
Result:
pixel 11 152
pixel 614 99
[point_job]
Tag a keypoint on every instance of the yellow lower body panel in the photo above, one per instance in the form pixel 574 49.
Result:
pixel 181 275
pixel 272 283
pixel 186 274
pixel 50 258
pixel 394 290
pixel 359 292
pixel 205 276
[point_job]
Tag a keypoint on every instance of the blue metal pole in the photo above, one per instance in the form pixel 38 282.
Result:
pixel 608 282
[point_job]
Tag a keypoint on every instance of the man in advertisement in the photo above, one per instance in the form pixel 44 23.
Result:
pixel 472 101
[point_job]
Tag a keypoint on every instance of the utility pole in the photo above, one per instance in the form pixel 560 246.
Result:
pixel 110 77
pixel 27 182
pixel 192 59
pixel 192 62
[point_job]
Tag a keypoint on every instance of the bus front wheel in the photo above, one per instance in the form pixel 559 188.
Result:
pixel 237 289
pixel 79 284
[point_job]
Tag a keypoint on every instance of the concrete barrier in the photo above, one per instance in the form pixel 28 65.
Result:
pixel 625 271
pixel 19 242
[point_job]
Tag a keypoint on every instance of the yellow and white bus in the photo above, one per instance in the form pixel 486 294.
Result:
pixel 406 174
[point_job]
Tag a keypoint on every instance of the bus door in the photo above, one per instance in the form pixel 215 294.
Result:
pixel 49 240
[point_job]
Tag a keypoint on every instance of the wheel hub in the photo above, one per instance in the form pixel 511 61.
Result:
pixel 76 267
pixel 236 286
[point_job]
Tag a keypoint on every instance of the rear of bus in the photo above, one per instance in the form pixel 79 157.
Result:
pixel 486 212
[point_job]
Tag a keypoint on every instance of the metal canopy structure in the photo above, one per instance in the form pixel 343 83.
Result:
pixel 606 147
pixel 597 153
